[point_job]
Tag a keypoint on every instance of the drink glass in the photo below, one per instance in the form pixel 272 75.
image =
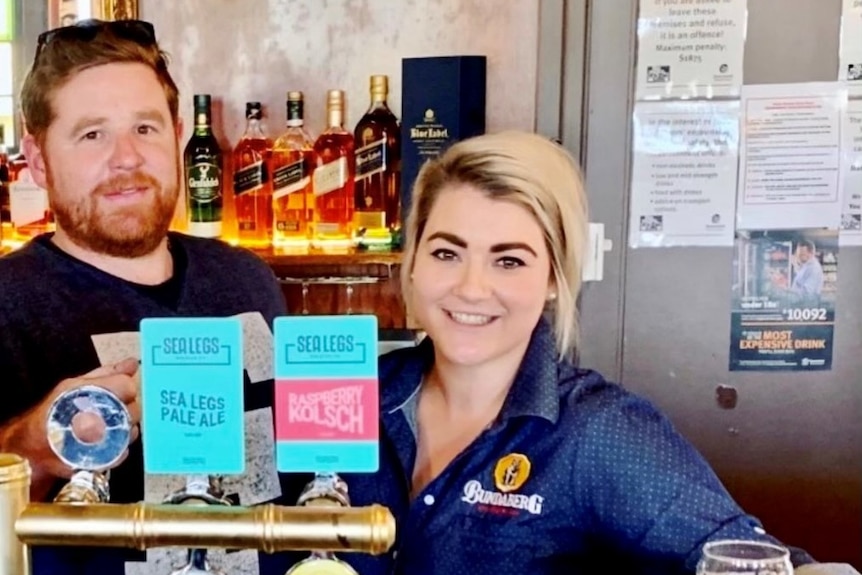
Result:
pixel 738 557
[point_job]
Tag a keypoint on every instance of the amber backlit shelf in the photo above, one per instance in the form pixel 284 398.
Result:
pixel 279 257
pixel 321 282
pixel 10 245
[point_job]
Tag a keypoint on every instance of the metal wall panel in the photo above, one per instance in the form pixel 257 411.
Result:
pixel 610 49
pixel 790 451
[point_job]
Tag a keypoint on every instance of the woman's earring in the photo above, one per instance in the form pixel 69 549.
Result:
pixel 552 296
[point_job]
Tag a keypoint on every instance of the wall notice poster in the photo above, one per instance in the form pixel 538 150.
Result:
pixel 784 289
pixel 851 215
pixel 684 173
pixel 790 156
pixel 850 59
pixel 689 49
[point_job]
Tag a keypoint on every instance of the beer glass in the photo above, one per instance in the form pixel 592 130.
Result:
pixel 737 557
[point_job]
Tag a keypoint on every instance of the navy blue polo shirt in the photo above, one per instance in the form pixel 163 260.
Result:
pixel 576 475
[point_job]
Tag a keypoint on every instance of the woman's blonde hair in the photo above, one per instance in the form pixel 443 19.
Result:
pixel 530 171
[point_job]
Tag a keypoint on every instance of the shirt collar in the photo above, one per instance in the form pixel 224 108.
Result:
pixel 535 391
pixel 401 373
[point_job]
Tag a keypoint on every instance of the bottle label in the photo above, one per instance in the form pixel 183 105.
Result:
pixel 371 159
pixel 287 226
pixel 430 136
pixel 328 228
pixel 250 178
pixel 370 220
pixel 330 177
pixel 294 110
pixel 289 179
pixel 28 202
pixel 204 181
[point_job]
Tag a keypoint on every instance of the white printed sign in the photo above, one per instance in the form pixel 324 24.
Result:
pixel 851 181
pixel 850 60
pixel 690 48
pixel 684 173
pixel 790 156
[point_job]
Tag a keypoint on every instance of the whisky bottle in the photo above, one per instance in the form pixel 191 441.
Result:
pixel 252 184
pixel 5 215
pixel 29 209
pixel 378 169
pixel 333 178
pixel 292 167
pixel 203 170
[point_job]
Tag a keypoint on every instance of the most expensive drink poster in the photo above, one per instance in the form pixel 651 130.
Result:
pixel 784 289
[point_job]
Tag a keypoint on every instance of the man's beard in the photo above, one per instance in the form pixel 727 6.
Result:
pixel 126 231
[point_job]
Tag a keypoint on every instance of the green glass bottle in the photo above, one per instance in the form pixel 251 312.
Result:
pixel 203 170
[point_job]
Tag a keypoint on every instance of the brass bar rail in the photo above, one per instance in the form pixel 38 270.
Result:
pixel 269 528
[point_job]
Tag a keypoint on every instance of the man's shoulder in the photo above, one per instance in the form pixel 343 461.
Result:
pixel 20 266
pixel 196 244
pixel 219 254
pixel 225 277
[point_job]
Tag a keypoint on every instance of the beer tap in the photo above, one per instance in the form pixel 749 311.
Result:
pixel 197 564
pixel 325 490
pixel 199 490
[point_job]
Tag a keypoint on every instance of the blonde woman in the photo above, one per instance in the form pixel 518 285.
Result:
pixel 498 455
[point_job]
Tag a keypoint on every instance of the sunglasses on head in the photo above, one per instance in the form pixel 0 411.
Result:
pixel 137 31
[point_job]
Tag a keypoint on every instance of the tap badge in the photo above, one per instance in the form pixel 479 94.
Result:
pixel 511 472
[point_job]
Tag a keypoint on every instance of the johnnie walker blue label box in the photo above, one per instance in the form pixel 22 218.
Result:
pixel 442 101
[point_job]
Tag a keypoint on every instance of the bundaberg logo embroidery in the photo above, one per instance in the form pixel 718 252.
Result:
pixel 510 473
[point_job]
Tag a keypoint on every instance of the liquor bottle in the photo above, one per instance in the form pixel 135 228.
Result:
pixel 252 183
pixel 203 170
pixel 378 169
pixel 29 209
pixel 292 167
pixel 333 178
pixel 5 216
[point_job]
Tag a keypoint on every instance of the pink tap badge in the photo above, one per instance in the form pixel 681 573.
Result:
pixel 340 409
pixel 326 394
